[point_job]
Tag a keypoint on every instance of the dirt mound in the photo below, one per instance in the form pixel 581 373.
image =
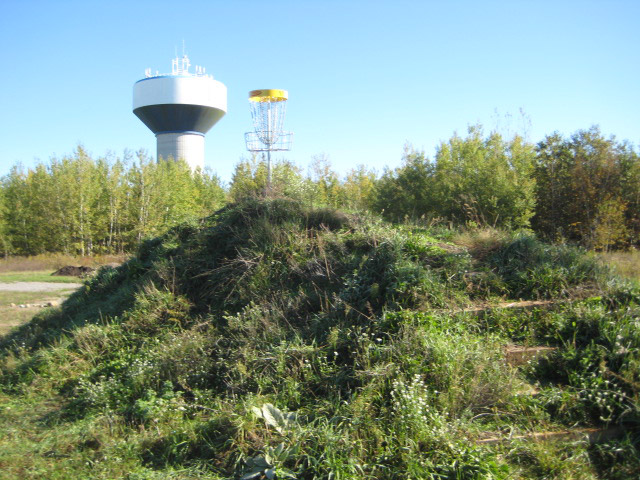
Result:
pixel 269 335
pixel 73 271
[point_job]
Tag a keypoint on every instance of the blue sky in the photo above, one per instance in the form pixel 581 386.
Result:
pixel 364 77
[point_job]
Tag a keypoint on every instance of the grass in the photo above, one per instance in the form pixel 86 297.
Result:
pixel 36 276
pixel 273 341
pixel 626 264
pixel 52 262
pixel 481 241
pixel 7 298
pixel 13 316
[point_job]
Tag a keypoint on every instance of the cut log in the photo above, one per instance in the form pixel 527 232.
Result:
pixel 592 435
pixel 517 355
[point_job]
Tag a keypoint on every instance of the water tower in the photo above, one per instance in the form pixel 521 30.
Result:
pixel 180 108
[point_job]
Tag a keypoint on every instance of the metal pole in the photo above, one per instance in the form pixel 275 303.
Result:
pixel 268 173
pixel 269 134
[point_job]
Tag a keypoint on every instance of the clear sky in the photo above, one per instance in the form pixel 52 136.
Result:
pixel 364 77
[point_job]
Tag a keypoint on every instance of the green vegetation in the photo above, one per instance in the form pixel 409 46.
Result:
pixel 7 298
pixel 54 261
pixel 85 206
pixel 271 340
pixel 582 190
pixel 11 315
pixel 486 181
pixel 588 190
pixel 36 276
pixel 626 264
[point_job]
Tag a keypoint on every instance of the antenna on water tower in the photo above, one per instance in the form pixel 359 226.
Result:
pixel 268 109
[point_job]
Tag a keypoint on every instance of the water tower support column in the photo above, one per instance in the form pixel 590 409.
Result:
pixel 182 145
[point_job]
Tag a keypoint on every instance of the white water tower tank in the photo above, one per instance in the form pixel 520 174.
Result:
pixel 180 108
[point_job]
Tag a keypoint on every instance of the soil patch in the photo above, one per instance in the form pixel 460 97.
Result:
pixel 73 271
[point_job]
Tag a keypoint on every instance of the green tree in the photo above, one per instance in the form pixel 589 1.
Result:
pixel 77 204
pixel 5 243
pixel 630 189
pixel 115 190
pixel 141 180
pixel 359 188
pixel 485 180
pixel 324 187
pixel 408 190
pixel 43 232
pixel 250 179
pixel 85 198
pixel 18 209
pixel 609 224
pixel 579 181
pixel 211 194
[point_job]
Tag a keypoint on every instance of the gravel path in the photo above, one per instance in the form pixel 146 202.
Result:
pixel 37 286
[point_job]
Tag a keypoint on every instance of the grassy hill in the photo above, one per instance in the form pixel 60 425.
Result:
pixel 274 341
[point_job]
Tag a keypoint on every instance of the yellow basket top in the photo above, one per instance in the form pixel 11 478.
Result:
pixel 268 95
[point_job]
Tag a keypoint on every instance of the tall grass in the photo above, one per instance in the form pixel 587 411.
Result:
pixel 626 264
pixel 533 269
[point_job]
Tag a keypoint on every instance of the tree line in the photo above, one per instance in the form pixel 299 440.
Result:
pixel 582 189
pixel 80 205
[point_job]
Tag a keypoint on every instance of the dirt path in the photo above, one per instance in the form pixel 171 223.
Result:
pixel 37 286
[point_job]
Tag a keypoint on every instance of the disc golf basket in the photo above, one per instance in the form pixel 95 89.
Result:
pixel 268 109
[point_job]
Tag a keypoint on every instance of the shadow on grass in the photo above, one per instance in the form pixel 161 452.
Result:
pixel 108 294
